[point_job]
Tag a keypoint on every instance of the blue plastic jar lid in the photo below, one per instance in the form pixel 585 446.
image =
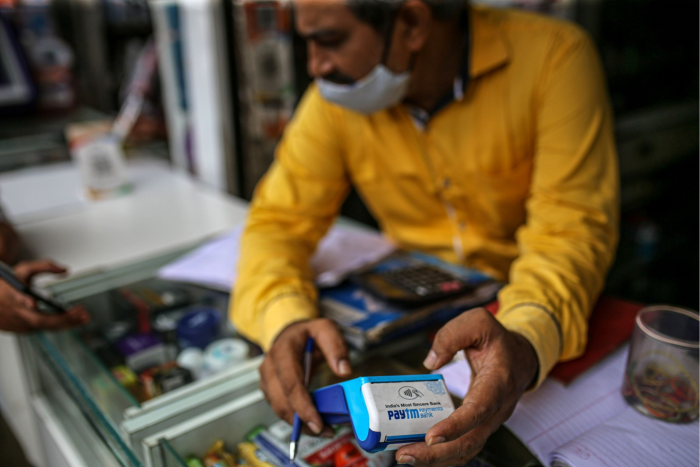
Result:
pixel 199 326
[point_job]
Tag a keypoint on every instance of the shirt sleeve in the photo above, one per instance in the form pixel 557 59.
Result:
pixel 568 241
pixel 293 206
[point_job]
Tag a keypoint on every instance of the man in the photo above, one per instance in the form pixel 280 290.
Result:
pixel 18 312
pixel 481 136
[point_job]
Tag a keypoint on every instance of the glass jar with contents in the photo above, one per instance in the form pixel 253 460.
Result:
pixel 661 378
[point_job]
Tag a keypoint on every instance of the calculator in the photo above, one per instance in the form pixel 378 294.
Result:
pixel 412 285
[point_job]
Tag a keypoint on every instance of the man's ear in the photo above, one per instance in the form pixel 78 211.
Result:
pixel 413 23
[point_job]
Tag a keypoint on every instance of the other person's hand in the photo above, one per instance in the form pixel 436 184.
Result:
pixel 18 312
pixel 504 365
pixel 282 372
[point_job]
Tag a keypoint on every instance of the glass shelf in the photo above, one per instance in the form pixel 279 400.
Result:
pixel 80 371
pixel 91 434
pixel 67 364
pixel 231 422
pixel 170 457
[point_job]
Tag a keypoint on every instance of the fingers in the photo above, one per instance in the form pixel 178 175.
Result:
pixel 25 271
pixel 15 298
pixel 332 344
pixel 487 394
pixel 35 320
pixel 282 372
pixel 273 391
pixel 291 379
pixel 461 332
pixel 275 395
pixel 457 452
pixel 286 356
pixel 492 385
pixel 497 361
pixel 18 314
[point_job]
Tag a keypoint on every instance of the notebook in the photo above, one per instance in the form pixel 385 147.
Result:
pixel 588 423
pixel 367 320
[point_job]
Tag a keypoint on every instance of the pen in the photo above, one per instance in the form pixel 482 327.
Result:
pixel 296 428
pixel 8 275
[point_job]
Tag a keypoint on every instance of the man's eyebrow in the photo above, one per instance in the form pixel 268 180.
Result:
pixel 319 34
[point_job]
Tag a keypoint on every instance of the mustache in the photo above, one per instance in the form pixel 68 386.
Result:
pixel 338 77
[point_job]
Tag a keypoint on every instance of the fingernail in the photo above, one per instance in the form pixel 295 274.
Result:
pixel 315 428
pixel 436 440
pixel 430 360
pixel 344 367
pixel 405 459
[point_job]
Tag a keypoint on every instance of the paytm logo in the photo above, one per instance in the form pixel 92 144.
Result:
pixel 403 414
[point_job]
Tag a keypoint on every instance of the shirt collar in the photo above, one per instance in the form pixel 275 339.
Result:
pixel 488 47
pixel 421 117
pixel 485 51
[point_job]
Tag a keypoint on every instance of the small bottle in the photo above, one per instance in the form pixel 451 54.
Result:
pixel 166 328
pixel 50 58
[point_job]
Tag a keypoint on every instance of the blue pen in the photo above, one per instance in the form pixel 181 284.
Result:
pixel 296 428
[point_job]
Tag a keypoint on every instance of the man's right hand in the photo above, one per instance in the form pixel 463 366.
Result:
pixel 18 312
pixel 282 372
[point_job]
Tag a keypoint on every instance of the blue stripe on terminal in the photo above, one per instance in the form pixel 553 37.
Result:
pixel 405 439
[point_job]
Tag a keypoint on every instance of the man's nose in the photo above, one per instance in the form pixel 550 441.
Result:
pixel 319 64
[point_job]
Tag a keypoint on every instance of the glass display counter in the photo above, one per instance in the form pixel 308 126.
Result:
pixel 81 373
pixel 117 421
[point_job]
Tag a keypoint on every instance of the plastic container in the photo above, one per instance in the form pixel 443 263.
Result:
pixel 661 378
pixel 224 353
pixel 191 359
pixel 198 328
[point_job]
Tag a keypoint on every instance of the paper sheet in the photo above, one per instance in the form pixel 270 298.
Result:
pixel 588 423
pixel 555 414
pixel 345 249
pixel 630 438
pixel 212 265
pixel 215 263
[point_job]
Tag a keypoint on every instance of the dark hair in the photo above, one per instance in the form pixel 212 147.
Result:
pixel 378 13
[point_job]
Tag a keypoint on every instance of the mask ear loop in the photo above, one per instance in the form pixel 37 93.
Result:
pixel 467 45
pixel 389 32
pixel 387 40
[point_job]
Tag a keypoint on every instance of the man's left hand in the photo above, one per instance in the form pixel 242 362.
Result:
pixel 504 365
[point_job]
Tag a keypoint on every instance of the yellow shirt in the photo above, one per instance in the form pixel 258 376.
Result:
pixel 518 178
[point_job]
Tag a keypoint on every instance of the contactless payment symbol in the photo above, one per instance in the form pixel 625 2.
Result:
pixel 410 393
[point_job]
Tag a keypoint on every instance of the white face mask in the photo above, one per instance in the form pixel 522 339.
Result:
pixel 380 89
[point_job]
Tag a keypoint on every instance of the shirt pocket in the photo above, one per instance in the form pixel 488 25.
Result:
pixel 498 206
pixel 394 189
